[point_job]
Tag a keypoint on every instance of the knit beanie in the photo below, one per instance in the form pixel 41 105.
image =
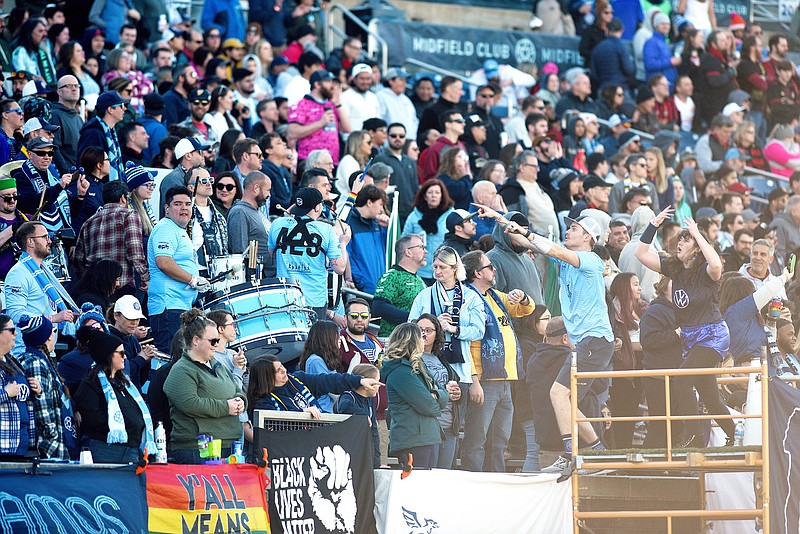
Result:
pixel 102 346
pixel 90 311
pixel 136 175
pixel 35 330
pixel 7 182
pixel 660 18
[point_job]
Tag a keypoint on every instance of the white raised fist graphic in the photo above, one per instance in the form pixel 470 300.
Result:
pixel 331 489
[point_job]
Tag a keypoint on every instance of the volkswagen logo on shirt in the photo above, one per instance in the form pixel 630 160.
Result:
pixel 680 298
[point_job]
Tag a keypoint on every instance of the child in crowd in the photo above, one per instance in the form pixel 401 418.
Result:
pixel 360 401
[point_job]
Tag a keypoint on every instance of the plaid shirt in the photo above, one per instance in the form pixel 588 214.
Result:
pixel 10 420
pixel 667 113
pixel 113 233
pixel 47 406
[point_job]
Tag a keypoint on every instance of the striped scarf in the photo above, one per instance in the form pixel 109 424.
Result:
pixel 116 421
pixel 114 152
pixel 54 216
pixel 47 282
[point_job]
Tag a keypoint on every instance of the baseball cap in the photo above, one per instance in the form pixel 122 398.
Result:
pixel 592 180
pixel 732 108
pixel 396 72
pixel 199 94
pixel 306 200
pixel 627 138
pixel 240 74
pixel 539 138
pixel 278 61
pixel 474 120
pixel 129 307
pixel 36 123
pixel 739 96
pixel 587 117
pixel 20 75
pixel 153 104
pixel 108 99
pixel 739 187
pixel 457 218
pixel 232 42
pixel 40 142
pixel 616 120
pixel 322 75
pixel 34 87
pixel 706 213
pixel 591 226
pixel 492 68
pixel 734 153
pixel 749 215
pixel 187 145
pixel 361 68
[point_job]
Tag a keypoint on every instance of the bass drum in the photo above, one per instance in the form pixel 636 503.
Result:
pixel 271 317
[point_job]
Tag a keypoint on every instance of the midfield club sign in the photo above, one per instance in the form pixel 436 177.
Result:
pixel 465 49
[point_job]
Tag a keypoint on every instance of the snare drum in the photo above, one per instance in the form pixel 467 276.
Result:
pixel 223 264
pixel 271 317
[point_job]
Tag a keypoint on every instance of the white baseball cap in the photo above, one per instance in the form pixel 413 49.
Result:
pixel 731 108
pixel 586 222
pixel 129 307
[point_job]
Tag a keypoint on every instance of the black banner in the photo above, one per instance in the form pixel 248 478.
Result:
pixel 724 8
pixel 465 49
pixel 322 478
pixel 784 452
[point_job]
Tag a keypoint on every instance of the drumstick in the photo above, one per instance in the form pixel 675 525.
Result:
pixel 286 211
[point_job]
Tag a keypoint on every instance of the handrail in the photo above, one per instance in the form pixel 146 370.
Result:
pixel 765 174
pixel 643 135
pixel 437 70
pixel 347 14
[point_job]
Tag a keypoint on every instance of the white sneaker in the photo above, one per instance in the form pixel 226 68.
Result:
pixel 559 466
pixel 535 23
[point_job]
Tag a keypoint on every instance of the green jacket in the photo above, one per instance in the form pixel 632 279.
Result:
pixel 198 401
pixel 412 409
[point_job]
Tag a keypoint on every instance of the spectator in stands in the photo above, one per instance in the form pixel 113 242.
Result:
pixel 611 63
pixel 595 196
pixel 367 248
pixel 176 100
pixel 781 151
pixel 484 99
pixel 358 150
pixel 659 175
pixel 432 205
pixel 515 127
pixel 114 417
pixel 226 16
pixel 201 400
pixel 72 61
pixel 640 219
pixel 134 142
pixel 424 95
pixel 523 193
pixel 776 202
pixel 455 173
pixel 346 56
pixel 220 109
pixel 320 355
pixel 316 121
pixel 56 435
pixel 451 90
pixel 65 115
pixel 618 125
pixel 573 138
pixel 644 117
pixel 397 288
pixel 666 112
pixel 658 58
pixel 100 131
pixel 598 31
pixel 618 237
pixel 739 253
pixel 684 105
pixel 716 78
pixel 460 231
pixel 26 55
pixel 752 78
pixel 245 222
pixel 783 95
pixel 151 122
pixel 778 49
pixel 712 146
pixel 549 91
pixel 404 171
pixel 17 407
pixel 227 190
pixel 277 157
pixel 454 127
pixel 745 141
pixel 266 118
pixel 395 106
pixel 637 173
pixel 787 229
pixel 359 102
pixel 578 97
pixel 189 153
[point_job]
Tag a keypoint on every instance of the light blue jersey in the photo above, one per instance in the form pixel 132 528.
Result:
pixel 582 294
pixel 169 239
pixel 304 255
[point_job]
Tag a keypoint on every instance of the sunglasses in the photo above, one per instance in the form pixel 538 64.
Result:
pixel 150 186
pixel 397 136
pixel 43 153
pixel 204 181
pixel 363 315
pixel 11 329
pixel 10 198
pixel 18 111
pixel 214 341
pixel 200 102
pixel 256 154
pixel 459 121
pixel 226 187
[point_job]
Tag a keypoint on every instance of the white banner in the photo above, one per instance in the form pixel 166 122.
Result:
pixel 441 501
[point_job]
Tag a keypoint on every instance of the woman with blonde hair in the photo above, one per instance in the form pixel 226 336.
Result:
pixel 358 150
pixel 657 173
pixel 415 402
pixel 745 139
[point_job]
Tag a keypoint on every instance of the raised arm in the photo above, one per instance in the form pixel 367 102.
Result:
pixel 714 268
pixel 648 257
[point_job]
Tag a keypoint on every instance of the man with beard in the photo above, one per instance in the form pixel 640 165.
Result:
pixel 246 222
pixel 361 103
pixel 174 273
pixel 244 83
pixel 739 253
pixel 494 126
pixel 135 140
pixel 461 229
pixel 18 81
pixel 398 286
pixel 176 100
pixel 304 246
pixel 618 237
pixel 10 217
pixel 199 102
pixel 317 119
pixel 404 171
pixel 189 153
pixel 248 157
pixel 451 90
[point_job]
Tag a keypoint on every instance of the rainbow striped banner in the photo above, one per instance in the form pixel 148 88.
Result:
pixel 206 498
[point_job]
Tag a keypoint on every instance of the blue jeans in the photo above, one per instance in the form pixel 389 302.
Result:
pixel 488 427
pixel 116 453
pixel 445 452
pixel 531 464
pixel 164 325
pixel 423 456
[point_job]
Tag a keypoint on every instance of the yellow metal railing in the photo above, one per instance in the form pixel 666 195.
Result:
pixel 750 461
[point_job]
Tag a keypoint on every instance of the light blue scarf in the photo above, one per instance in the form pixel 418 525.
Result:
pixel 49 284
pixel 116 422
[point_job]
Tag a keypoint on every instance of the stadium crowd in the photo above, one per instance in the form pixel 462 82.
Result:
pixel 491 235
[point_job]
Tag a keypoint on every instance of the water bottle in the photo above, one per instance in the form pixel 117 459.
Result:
pixel 738 434
pixel 161 444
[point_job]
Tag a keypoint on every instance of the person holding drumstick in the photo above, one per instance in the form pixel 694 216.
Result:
pixel 585 313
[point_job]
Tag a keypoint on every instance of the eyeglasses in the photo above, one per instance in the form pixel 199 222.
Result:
pixel 150 186
pixel 214 341
pixel 10 198
pixel 10 329
pixel 362 315
pixel 535 165
pixel 486 95
pixel 608 12
pixel 645 203
pixel 397 136
pixel 257 154
pixel 18 111
pixel 225 187
pixel 203 181
pixel 43 153
pixel 120 105
pixel 459 121
pixel 490 266
pixel 70 86
pixel 417 246
pixel 427 331
pixel 45 236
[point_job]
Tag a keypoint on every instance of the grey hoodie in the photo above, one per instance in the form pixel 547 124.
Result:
pixel 514 270
pixel 788 236
pixel 628 263
pixel 67 137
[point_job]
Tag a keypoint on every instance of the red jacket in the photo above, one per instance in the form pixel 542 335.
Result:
pixel 428 164
pixel 348 350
